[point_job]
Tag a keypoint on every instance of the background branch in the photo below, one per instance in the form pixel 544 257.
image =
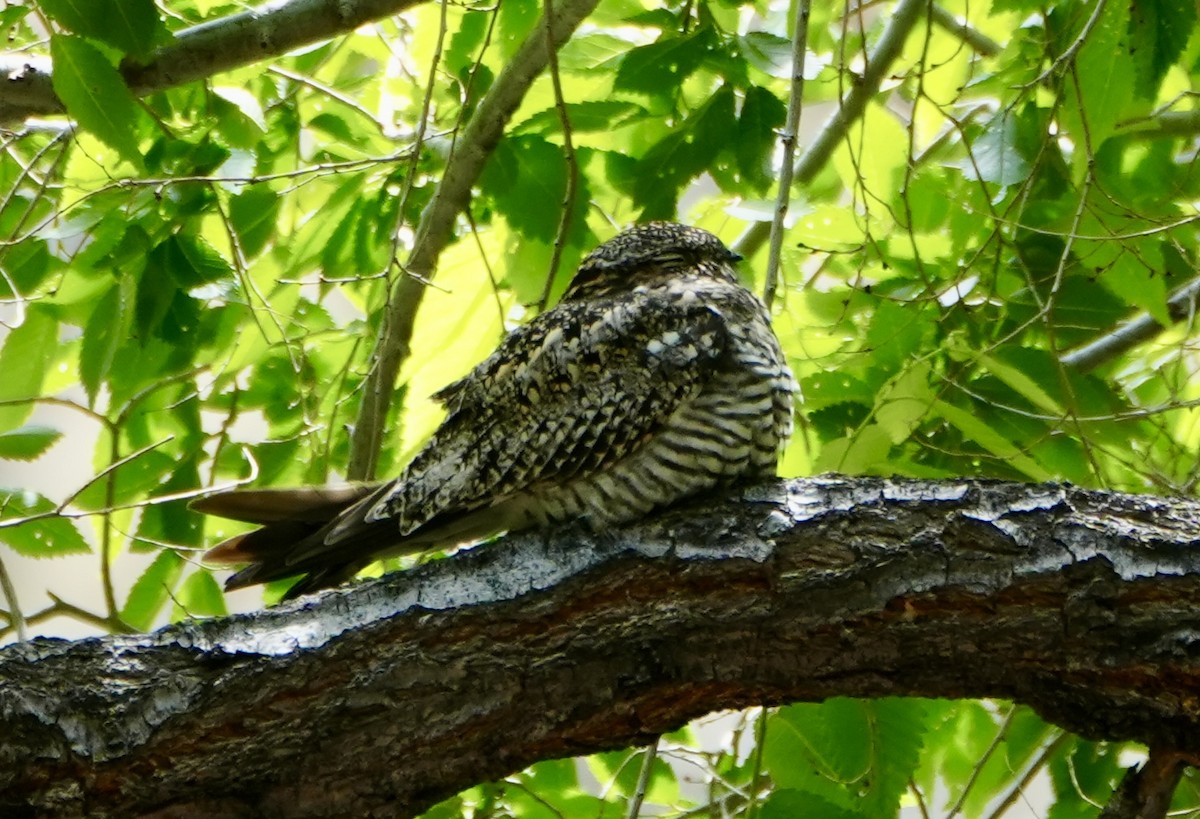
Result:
pixel 1127 335
pixel 201 51
pixel 436 228
pixel 1146 791
pixel 1078 603
pixel 788 142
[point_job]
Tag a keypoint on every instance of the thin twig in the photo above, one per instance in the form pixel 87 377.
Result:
pixel 1034 768
pixel 643 781
pixel 61 608
pixel 1069 55
pixel 903 18
pixel 62 512
pixel 491 274
pixel 332 93
pixel 568 205
pixel 419 141
pixel 919 798
pixel 788 140
pixel 1001 733
pixel 978 41
pixel 15 617
pixel 399 290
pixel 760 749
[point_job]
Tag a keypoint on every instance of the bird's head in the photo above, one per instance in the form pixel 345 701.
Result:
pixel 647 253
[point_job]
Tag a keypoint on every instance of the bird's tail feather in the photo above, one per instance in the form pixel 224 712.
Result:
pixel 293 522
pixel 315 504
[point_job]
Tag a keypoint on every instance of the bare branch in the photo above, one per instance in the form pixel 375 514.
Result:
pixel 15 617
pixel 471 152
pixel 201 51
pixel 788 139
pixel 1077 603
pixel 982 44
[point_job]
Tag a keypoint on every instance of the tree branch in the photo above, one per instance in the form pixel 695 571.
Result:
pixel 201 51
pixel 1129 334
pixel 471 152
pixel 1145 792
pixel 395 693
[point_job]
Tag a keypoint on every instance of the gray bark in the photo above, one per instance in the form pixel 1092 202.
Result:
pixel 389 695
pixel 196 53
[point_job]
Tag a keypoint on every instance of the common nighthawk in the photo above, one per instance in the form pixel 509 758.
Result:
pixel 656 377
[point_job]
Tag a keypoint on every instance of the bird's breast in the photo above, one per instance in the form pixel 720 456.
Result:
pixel 732 429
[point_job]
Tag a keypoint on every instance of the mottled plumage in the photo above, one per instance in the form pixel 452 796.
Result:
pixel 657 376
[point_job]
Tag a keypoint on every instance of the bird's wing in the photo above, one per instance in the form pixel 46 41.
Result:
pixel 567 395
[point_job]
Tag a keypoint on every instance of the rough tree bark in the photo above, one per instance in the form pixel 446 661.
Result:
pixel 392 694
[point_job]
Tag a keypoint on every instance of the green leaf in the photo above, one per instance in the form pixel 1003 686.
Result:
pixel 24 359
pixel 194 262
pixel 27 265
pixel 829 388
pixel 831 739
pixel 1083 774
pixel 253 213
pixel 788 803
pixel 854 754
pixel 597 115
pixel 988 437
pixel 762 113
pixel 1104 84
pixel 152 590
pixel 172 522
pixel 515 19
pixel 1033 374
pixel 588 52
pixel 684 154
pixel 995 154
pixel 463 47
pixel 45 537
pixel 200 596
pixel 1158 33
pixel 132 481
pixel 527 179
pixel 27 443
pixel 133 26
pixel 156 289
pixel 896 333
pixel 905 401
pixel 875 154
pixel 659 67
pixel 105 331
pixel 862 452
pixel 1140 284
pixel 95 95
pixel 769 53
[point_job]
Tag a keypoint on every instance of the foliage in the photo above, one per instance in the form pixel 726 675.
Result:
pixel 200 275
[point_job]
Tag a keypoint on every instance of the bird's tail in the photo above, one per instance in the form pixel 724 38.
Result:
pixel 292 520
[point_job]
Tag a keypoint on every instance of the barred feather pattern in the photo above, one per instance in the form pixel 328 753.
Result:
pixel 658 376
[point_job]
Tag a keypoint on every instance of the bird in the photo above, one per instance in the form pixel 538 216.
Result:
pixel 656 377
